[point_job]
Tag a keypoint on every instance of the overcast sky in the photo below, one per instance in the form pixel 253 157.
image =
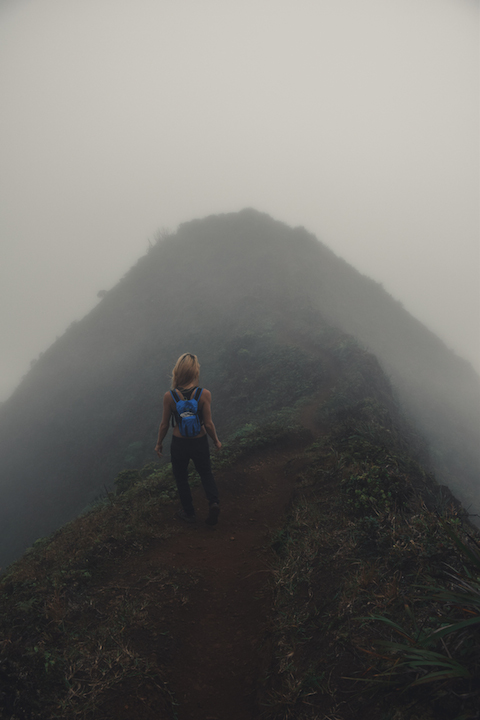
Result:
pixel 358 119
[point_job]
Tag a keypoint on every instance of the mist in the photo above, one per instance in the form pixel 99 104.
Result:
pixel 356 120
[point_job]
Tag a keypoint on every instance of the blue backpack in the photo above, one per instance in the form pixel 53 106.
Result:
pixel 186 414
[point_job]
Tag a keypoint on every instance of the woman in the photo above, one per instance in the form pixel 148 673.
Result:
pixel 185 376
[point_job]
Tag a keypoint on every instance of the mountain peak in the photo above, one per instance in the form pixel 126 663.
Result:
pixel 95 393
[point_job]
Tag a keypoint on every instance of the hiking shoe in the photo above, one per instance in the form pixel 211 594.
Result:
pixel 213 514
pixel 182 515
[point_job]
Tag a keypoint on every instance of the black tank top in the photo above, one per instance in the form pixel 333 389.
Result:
pixel 187 394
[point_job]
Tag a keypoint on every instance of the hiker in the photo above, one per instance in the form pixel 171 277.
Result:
pixel 189 408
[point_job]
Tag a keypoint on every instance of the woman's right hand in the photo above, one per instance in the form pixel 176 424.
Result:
pixel 158 449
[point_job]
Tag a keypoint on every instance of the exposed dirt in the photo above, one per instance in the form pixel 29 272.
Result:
pixel 220 625
pixel 220 649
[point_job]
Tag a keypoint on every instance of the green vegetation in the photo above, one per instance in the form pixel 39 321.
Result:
pixel 356 628
pixel 442 652
pixel 65 635
pixel 375 583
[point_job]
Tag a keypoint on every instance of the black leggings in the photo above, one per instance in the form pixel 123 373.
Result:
pixel 182 451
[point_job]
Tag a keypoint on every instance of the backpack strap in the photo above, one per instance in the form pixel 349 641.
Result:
pixel 197 398
pixel 176 399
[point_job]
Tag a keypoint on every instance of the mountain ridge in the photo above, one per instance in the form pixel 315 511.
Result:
pixel 90 405
pixel 328 518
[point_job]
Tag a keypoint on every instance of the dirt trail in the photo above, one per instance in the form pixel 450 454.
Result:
pixel 219 649
pixel 218 656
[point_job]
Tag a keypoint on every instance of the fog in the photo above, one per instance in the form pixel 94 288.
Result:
pixel 357 120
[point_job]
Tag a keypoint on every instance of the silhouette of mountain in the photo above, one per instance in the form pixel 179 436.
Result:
pixel 90 406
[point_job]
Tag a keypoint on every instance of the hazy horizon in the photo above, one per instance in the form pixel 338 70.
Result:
pixel 358 121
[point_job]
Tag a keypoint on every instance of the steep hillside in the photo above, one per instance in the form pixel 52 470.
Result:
pixel 309 599
pixel 90 405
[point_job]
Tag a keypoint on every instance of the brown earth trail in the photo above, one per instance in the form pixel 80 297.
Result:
pixel 218 626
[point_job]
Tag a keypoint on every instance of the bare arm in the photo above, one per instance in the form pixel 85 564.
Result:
pixel 164 425
pixel 206 408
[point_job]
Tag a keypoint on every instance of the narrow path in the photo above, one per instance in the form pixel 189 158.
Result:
pixel 219 657
pixel 220 651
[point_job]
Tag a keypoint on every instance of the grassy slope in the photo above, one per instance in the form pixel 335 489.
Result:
pixel 362 528
pixel 367 528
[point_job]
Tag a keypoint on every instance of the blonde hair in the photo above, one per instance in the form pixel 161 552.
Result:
pixel 186 371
